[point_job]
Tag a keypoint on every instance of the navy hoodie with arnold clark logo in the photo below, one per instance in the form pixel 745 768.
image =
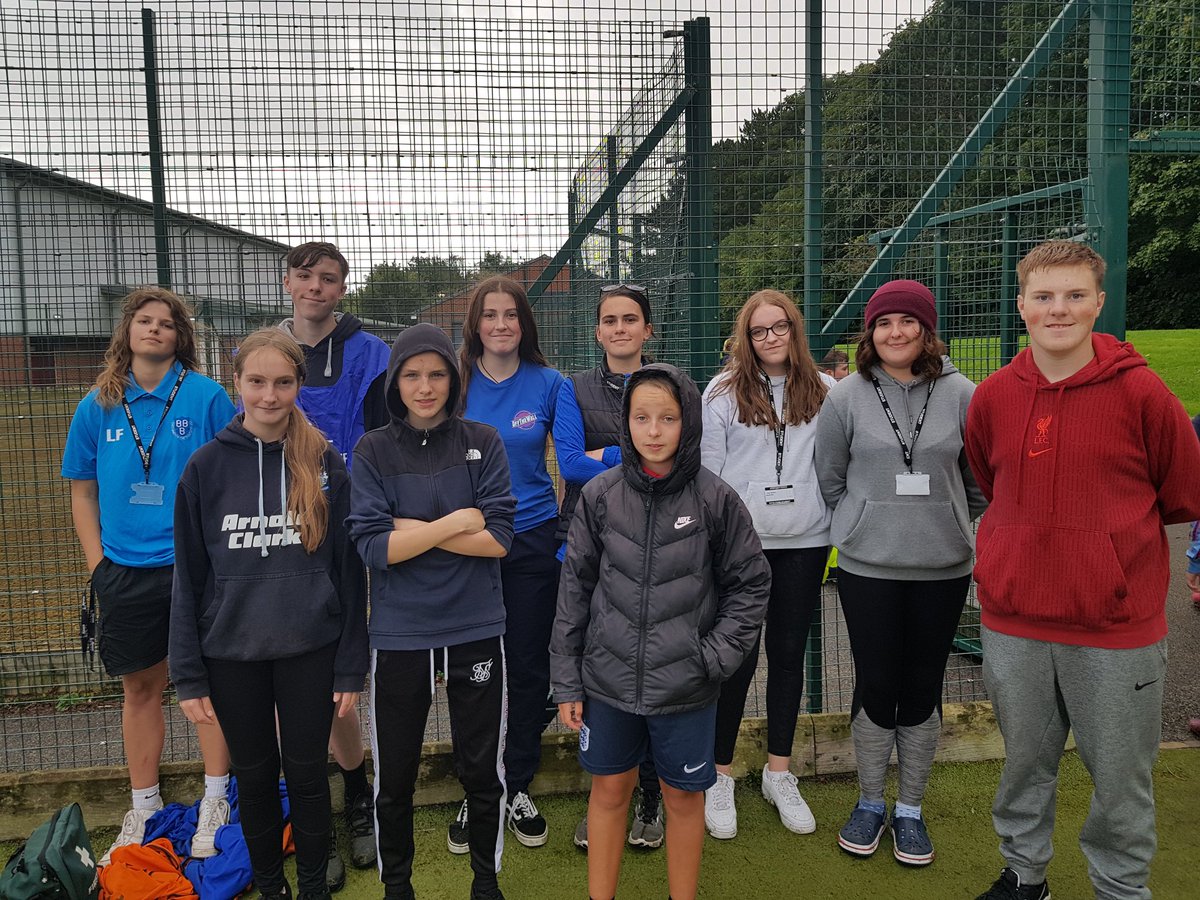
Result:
pixel 438 598
pixel 245 588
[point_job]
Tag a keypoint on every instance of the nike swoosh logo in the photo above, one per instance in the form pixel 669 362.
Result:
pixel 1139 685
pixel 690 769
pixel 683 521
pixel 1033 453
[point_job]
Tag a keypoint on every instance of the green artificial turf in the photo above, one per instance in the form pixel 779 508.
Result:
pixel 766 862
pixel 1175 356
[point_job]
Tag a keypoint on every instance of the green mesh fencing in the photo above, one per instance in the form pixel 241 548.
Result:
pixel 569 145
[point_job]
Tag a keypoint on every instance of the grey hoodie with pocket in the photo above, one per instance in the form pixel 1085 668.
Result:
pixel 879 533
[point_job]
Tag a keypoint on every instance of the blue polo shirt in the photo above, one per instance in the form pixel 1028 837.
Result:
pixel 521 408
pixel 100 448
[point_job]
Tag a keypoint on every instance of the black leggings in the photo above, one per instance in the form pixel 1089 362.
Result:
pixel 246 697
pixel 795 599
pixel 901 633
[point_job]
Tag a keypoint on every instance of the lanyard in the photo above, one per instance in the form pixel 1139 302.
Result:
pixel 144 452
pixel 779 427
pixel 916 432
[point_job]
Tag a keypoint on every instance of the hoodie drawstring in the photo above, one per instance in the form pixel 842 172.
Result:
pixel 262 512
pixel 329 359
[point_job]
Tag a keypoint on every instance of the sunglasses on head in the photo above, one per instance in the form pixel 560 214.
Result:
pixel 638 289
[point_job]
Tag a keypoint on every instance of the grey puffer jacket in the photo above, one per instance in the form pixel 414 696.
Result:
pixel 664 585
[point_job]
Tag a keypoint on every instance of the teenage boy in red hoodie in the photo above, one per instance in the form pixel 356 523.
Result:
pixel 1084 455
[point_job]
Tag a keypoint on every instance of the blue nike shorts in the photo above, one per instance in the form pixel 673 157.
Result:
pixel 681 744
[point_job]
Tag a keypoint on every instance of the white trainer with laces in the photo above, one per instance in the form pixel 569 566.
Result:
pixel 133 829
pixel 214 812
pixel 720 815
pixel 779 789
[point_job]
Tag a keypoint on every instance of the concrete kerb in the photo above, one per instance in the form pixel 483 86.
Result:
pixel 823 747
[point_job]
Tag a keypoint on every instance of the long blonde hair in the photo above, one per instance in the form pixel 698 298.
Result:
pixel 118 358
pixel 304 445
pixel 805 391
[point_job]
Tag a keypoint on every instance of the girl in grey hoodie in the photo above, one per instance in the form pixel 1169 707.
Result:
pixel 891 464
pixel 760 429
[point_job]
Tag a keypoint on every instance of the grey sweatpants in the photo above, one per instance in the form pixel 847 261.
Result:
pixel 1112 701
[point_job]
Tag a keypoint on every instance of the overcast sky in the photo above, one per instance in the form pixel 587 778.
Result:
pixel 392 128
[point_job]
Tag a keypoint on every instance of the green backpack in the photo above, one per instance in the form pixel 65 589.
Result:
pixel 56 861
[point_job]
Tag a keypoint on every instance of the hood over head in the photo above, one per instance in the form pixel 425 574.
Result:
pixel 422 338
pixel 687 457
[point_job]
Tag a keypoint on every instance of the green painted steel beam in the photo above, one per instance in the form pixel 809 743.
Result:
pixel 158 188
pixel 1167 142
pixel 1106 203
pixel 1008 290
pixel 814 171
pixel 583 227
pixel 1056 190
pixel 963 159
pixel 703 298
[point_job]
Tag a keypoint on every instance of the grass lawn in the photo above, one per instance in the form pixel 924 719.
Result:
pixel 766 862
pixel 1175 355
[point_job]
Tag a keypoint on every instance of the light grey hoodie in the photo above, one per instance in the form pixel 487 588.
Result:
pixel 878 533
pixel 744 457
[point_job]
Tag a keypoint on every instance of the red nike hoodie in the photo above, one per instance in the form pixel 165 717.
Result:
pixel 1081 475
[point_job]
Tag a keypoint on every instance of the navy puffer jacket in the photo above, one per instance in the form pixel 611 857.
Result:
pixel 664 585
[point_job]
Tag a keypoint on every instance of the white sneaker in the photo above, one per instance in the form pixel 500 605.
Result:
pixel 133 829
pixel 214 812
pixel 779 789
pixel 720 815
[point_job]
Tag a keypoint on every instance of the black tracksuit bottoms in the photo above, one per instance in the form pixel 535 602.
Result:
pixel 401 693
pixel 247 696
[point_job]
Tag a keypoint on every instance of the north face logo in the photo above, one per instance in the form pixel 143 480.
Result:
pixel 473 454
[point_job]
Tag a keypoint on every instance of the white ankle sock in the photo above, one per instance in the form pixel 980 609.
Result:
pixel 147 798
pixel 216 786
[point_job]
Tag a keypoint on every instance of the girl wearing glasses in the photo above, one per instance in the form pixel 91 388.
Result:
pixel 892 466
pixel 760 423
pixel 587 440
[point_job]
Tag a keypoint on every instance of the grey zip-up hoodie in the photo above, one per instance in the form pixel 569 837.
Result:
pixel 878 533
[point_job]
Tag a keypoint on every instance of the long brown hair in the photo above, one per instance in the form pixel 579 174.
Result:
pixel 118 358
pixel 805 391
pixel 304 445
pixel 472 347
pixel 928 363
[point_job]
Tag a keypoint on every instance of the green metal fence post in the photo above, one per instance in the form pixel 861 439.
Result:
pixel 702 246
pixel 1008 290
pixel 941 277
pixel 158 188
pixel 614 219
pixel 1107 202
pixel 814 173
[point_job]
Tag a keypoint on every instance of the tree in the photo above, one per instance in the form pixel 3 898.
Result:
pixel 394 292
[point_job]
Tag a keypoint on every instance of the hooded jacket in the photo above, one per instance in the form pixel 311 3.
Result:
pixel 664 585
pixel 343 393
pixel 878 533
pixel 245 588
pixel 439 598
pixel 1082 475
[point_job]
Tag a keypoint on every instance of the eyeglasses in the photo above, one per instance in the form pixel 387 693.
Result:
pixel 780 328
pixel 638 289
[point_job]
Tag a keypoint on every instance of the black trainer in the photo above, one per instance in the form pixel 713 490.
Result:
pixel 526 822
pixel 335 869
pixel 458 835
pixel 485 892
pixel 360 821
pixel 1008 887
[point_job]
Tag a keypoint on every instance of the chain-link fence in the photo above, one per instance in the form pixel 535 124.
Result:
pixel 569 145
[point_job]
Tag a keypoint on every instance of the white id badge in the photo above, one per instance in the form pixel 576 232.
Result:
pixel 912 484
pixel 146 493
pixel 780 493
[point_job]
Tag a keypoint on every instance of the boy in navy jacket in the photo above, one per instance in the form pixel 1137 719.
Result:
pixel 432 514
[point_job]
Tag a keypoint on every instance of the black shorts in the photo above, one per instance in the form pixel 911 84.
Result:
pixel 135 615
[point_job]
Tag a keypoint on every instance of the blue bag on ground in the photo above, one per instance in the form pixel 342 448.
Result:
pixel 56 861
